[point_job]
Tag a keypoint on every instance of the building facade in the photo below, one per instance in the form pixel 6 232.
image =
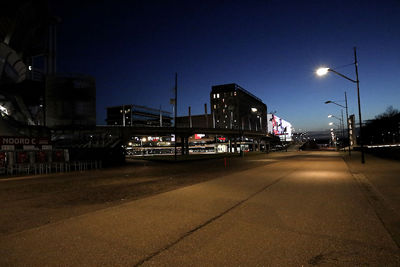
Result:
pixel 233 107
pixel 70 100
pixel 195 121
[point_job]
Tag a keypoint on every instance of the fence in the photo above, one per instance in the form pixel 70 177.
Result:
pixel 22 162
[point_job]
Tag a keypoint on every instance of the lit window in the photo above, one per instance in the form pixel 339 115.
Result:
pixel 217 95
pixel 234 93
pixel 223 99
pixel 120 111
pixel 214 95
pixel 223 110
pixel 217 120
pixel 215 106
pixel 226 105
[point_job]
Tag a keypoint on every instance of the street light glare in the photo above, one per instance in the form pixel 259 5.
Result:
pixel 322 71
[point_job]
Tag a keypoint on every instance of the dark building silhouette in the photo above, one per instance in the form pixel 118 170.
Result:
pixel 195 121
pixel 135 115
pixel 27 54
pixel 233 107
pixel 70 100
pixel 32 93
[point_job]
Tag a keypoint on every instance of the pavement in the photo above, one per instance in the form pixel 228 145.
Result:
pixel 301 208
pixel 379 180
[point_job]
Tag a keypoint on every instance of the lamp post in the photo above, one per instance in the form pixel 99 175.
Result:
pixel 347 117
pixel 324 71
pixel 333 138
pixel 341 123
pixel 175 114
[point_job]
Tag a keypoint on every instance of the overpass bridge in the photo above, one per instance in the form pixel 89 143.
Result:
pixel 113 135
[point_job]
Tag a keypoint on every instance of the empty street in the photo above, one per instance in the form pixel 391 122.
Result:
pixel 279 209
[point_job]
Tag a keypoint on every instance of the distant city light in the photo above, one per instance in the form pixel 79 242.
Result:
pixel 322 71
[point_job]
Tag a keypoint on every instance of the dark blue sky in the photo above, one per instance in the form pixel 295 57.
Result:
pixel 271 48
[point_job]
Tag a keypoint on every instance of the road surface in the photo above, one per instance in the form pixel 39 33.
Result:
pixel 304 208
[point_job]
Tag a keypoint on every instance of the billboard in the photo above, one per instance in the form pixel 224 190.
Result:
pixel 279 127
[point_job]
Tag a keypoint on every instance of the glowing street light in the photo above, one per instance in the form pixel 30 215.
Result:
pixel 347 117
pixel 323 71
pixel 340 120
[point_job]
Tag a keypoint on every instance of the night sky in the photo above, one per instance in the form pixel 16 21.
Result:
pixel 270 48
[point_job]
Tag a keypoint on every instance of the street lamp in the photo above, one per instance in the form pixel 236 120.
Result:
pixel 341 123
pixel 322 71
pixel 325 70
pixel 347 117
pixel 333 138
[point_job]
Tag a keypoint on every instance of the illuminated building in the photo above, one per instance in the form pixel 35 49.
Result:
pixel 233 107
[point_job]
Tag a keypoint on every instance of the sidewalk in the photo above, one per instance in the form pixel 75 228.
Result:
pixel 379 179
pixel 384 174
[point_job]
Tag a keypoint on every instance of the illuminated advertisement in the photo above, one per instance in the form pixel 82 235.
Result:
pixel 279 127
pixel 199 136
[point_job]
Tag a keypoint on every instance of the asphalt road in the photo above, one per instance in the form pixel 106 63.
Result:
pixel 303 208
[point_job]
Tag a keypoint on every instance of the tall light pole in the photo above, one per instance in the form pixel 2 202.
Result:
pixel 333 137
pixel 341 123
pixel 359 106
pixel 323 71
pixel 175 112
pixel 347 117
